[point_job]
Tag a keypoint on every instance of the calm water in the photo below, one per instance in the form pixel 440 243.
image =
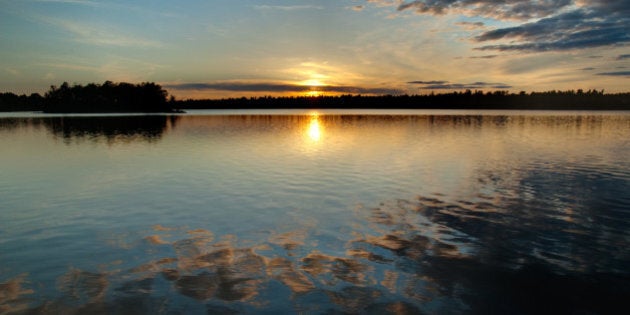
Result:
pixel 334 212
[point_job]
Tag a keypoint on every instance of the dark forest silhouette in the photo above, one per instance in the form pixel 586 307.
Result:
pixel 149 97
pixel 10 102
pixel 108 97
pixel 556 100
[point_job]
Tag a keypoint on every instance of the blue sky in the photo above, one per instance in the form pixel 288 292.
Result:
pixel 246 48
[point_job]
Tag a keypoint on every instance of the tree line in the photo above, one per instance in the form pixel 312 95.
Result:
pixel 10 102
pixel 92 98
pixel 553 100
pixel 150 97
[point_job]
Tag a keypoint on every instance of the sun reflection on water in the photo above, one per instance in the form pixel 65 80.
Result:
pixel 314 128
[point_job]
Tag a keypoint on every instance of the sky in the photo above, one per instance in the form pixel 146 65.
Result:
pixel 228 48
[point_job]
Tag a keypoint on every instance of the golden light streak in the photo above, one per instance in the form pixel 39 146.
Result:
pixel 314 93
pixel 314 129
pixel 312 82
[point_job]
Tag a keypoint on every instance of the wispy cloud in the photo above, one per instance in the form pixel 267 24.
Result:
pixel 577 29
pixel 446 85
pixel 385 3
pixel 427 82
pixel 484 57
pixel 288 7
pixel 616 73
pixel 81 2
pixel 504 10
pixel 101 35
pixel 546 25
pixel 360 90
pixel 113 67
pixel 73 66
pixel 272 87
pixel 12 71
pixel 596 23
pixel 123 6
pixel 471 25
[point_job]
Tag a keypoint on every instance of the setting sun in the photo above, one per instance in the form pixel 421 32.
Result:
pixel 314 86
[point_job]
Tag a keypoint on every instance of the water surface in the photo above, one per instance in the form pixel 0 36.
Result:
pixel 315 212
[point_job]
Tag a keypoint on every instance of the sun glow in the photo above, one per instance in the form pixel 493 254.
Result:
pixel 313 93
pixel 313 82
pixel 313 85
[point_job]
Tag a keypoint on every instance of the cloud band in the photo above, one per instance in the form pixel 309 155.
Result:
pixel 280 87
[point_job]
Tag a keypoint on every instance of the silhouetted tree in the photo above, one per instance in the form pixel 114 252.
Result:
pixel 108 97
pixel 13 102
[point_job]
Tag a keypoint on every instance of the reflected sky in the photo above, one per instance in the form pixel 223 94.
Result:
pixel 315 213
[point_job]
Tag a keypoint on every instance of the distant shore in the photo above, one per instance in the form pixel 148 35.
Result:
pixel 457 100
pixel 148 97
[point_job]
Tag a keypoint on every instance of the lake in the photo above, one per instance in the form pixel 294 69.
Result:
pixel 315 212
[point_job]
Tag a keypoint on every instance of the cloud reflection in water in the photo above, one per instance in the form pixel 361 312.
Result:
pixel 423 254
pixel 499 242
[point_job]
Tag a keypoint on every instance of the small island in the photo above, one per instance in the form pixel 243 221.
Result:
pixel 149 97
pixel 108 97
